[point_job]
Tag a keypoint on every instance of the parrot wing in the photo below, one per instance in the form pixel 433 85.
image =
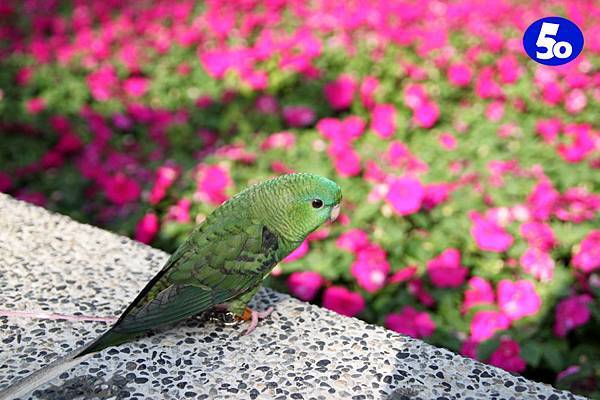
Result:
pixel 217 264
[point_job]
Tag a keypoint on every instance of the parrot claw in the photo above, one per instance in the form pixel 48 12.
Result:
pixel 226 318
pixel 255 316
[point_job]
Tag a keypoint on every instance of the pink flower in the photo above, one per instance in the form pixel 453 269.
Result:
pixel 352 240
pixel 552 93
pixel 304 284
pixel 410 322
pixel 384 120
pixel 426 115
pixel 576 101
pixel 280 140
pixel 469 348
pixel 341 132
pixel 577 205
pixel 403 275
pixel 343 301
pixel 103 83
pixel 488 235
pixel 298 116
pixel 340 92
pixel 548 129
pixel 573 369
pixel 459 74
pixel 538 234
pixel 486 323
pixel 165 177
pixel 345 159
pixel 212 182
pixel 571 312
pixel 542 200
pixel 435 194
pixel 509 68
pixel 508 356
pixel 35 105
pixel 479 292
pixel 367 91
pixel 538 263
pixel 180 212
pixel 5 182
pixel 485 86
pixel 495 111
pixel 298 253
pixel 36 198
pixel 447 141
pixel 136 86
pixel 147 228
pixel 587 257
pixel 445 270
pixel 266 104
pixel 370 268
pixel 416 287
pixel 120 189
pixel 518 299
pixel 581 146
pixel 405 195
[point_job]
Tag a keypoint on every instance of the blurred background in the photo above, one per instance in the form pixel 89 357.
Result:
pixel 470 173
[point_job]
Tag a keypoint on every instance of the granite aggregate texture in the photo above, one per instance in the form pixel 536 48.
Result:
pixel 51 263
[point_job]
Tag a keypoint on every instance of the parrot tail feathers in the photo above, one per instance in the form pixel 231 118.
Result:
pixel 43 375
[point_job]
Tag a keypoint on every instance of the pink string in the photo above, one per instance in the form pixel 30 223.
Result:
pixel 55 316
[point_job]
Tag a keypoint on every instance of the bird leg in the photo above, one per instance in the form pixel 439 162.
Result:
pixel 254 316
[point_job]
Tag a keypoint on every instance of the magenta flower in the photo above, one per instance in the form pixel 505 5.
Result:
pixel 488 235
pixel 341 132
pixel 435 194
pixel 552 93
pixel 345 159
pixel 518 299
pixel 571 313
pixel 212 182
pixel 416 287
pixel 573 369
pixel 426 115
pixel 486 323
pixel 370 268
pixel 575 101
pixel 587 257
pixel 298 116
pixel 368 87
pixel 538 234
pixel 403 275
pixel 165 177
pixel 35 105
pixel 542 200
pixel 508 356
pixel 103 83
pixel 548 129
pixel 539 263
pixel 485 86
pixel 445 270
pixel 304 284
pixel 5 182
pixel 266 104
pixel 343 301
pixel 582 144
pixel 577 205
pixel 383 120
pixel 120 189
pixel 180 212
pixel 447 141
pixel 479 292
pixel 340 92
pixel 459 75
pixel 36 198
pixel 509 69
pixel 405 195
pixel 469 348
pixel 411 322
pixel 136 86
pixel 352 240
pixel 147 228
pixel 298 253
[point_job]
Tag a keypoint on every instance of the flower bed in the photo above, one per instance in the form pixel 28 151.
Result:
pixel 470 173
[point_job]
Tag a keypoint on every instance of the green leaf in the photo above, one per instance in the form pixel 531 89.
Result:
pixel 532 353
pixel 485 349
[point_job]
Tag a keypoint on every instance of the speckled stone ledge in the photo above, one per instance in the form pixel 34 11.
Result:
pixel 49 262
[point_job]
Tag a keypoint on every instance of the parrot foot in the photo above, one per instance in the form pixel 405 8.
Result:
pixel 253 317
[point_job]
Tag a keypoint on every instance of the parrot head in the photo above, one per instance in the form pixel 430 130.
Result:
pixel 302 203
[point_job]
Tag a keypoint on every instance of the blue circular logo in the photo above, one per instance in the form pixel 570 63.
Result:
pixel 553 41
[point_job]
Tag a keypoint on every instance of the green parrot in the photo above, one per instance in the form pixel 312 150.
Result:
pixel 224 260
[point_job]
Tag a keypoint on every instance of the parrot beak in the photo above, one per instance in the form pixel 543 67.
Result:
pixel 335 212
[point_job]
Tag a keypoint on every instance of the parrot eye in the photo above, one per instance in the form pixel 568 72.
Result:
pixel 317 203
